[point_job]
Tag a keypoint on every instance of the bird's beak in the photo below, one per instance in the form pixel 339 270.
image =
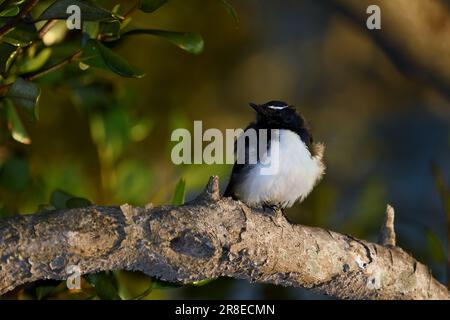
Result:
pixel 255 107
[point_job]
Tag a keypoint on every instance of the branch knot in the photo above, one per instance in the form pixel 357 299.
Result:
pixel 211 192
pixel 387 233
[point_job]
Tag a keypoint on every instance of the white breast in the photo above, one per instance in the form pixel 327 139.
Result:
pixel 297 173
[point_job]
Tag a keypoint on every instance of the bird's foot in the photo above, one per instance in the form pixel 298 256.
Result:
pixel 276 212
pixel 271 208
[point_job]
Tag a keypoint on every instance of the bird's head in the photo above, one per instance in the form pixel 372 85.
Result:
pixel 280 115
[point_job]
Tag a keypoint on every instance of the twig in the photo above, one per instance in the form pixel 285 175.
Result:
pixel 19 17
pixel 387 233
pixel 59 65
pixel 46 27
pixel 31 77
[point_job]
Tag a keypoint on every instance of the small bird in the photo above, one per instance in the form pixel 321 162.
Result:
pixel 300 164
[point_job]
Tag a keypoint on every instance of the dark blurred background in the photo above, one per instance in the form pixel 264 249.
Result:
pixel 107 138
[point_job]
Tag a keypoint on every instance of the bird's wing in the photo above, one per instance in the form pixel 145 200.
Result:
pixel 240 170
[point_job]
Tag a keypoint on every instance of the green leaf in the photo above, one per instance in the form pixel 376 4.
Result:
pixel 89 11
pixel 91 28
pixel 59 198
pixel 45 291
pixel 125 23
pixel 178 197
pixel 105 285
pixel 145 293
pixel 13 2
pixel 97 55
pixel 151 5
pixel 22 35
pixel 10 12
pixel 25 95
pixel 31 64
pixel 188 41
pixel 116 8
pixel 15 125
pixel 8 54
pixel 78 203
pixel 110 29
pixel 62 200
pixel 230 9
pixel 202 282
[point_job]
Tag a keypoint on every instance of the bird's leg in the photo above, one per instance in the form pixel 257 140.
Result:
pixel 276 212
pixel 279 212
pixel 271 208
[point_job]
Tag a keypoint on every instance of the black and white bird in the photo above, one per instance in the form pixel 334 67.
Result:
pixel 300 164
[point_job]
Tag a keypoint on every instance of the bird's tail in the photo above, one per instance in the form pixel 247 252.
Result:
pixel 229 191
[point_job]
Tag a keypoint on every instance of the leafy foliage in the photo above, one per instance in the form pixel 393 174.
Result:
pixel 15 125
pixel 230 9
pixel 8 53
pixel 178 196
pixel 89 11
pixel 95 54
pixel 25 95
pixel 105 285
pixel 62 200
pixel 38 50
pixel 23 35
pixel 188 41
pixel 25 52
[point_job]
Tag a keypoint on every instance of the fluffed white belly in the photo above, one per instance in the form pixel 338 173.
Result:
pixel 292 177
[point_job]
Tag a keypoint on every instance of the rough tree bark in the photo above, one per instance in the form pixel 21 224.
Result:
pixel 207 238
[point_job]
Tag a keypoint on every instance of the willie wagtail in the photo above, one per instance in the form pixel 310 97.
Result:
pixel 299 165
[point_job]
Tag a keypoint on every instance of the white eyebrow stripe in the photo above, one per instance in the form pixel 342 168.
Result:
pixel 277 108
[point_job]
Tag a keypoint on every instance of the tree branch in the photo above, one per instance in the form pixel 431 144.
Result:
pixel 36 75
pixel 207 238
pixel 26 9
pixel 74 57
